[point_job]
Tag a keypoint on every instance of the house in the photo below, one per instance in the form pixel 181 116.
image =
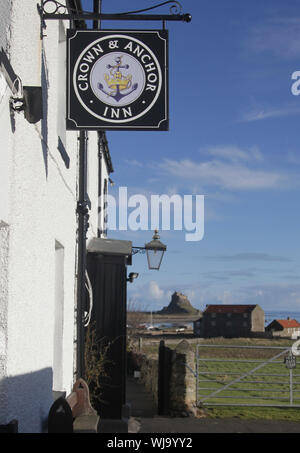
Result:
pixel 230 321
pixel 39 187
pixel 284 328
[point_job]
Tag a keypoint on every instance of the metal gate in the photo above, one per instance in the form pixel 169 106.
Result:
pixel 232 375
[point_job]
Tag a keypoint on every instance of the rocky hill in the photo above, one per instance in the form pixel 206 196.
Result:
pixel 179 305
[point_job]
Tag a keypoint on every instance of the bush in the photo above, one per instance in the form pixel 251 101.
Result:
pixel 97 364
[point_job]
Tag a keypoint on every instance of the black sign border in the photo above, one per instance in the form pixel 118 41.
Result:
pixel 163 124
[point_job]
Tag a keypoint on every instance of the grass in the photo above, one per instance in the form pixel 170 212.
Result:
pixel 254 413
pixel 219 367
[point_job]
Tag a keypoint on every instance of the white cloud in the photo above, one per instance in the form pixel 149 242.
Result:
pixel 134 162
pixel 155 291
pixel 264 114
pixel 236 154
pixel 228 175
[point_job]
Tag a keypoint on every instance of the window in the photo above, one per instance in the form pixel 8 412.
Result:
pixel 228 315
pixel 245 315
pixel 213 315
pixel 213 323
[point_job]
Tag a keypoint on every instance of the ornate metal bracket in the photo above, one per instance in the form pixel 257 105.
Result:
pixel 136 250
pixel 54 10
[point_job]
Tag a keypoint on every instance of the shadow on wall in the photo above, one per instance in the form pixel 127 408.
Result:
pixel 12 80
pixel 44 121
pixel 28 398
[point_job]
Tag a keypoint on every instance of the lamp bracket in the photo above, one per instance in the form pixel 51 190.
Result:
pixel 54 10
pixel 136 250
pixel 17 104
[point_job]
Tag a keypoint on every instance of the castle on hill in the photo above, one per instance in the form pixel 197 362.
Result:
pixel 179 304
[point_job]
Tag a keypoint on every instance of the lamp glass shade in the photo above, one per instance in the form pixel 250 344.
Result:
pixel 154 258
pixel 155 252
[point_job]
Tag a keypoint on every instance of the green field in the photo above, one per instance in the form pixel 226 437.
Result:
pixel 270 384
pixel 267 385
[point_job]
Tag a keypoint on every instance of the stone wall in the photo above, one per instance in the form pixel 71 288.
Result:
pixel 182 382
pixel 149 375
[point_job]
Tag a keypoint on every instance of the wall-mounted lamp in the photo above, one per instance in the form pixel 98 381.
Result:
pixel 31 104
pixel 155 250
pixel 132 276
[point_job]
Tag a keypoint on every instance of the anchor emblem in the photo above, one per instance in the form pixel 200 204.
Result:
pixel 118 82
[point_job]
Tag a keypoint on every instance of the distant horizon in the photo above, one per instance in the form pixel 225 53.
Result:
pixel 266 311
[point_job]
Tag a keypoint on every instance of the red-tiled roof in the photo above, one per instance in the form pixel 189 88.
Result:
pixel 229 308
pixel 288 323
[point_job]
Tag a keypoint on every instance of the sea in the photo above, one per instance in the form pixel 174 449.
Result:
pixel 271 315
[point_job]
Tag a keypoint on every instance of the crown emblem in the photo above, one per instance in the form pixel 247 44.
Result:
pixel 118 82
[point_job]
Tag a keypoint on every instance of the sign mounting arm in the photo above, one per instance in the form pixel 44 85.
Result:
pixel 53 10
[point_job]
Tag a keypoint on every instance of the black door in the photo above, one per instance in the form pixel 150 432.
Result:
pixel 108 274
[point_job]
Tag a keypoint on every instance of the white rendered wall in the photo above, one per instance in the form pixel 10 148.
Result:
pixel 58 318
pixel 104 178
pixel 4 239
pixel 40 193
pixel 5 28
pixel 92 185
pixel 5 23
pixel 5 133
pixel 96 219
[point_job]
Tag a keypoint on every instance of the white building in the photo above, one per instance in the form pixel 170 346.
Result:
pixel 38 220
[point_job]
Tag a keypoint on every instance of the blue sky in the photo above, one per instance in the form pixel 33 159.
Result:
pixel 234 137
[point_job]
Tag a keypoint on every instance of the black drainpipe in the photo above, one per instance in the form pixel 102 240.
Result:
pixel 83 225
pixel 100 204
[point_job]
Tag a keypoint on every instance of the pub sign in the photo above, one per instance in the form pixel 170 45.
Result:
pixel 117 80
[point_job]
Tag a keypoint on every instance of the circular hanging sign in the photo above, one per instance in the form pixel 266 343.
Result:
pixel 117 81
